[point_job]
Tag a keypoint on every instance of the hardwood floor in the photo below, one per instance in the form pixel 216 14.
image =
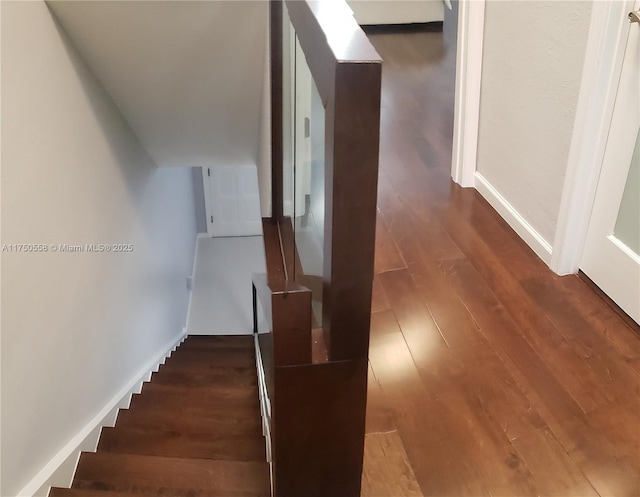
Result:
pixel 489 375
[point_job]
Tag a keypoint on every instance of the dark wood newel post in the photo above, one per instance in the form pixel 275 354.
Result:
pixel 318 408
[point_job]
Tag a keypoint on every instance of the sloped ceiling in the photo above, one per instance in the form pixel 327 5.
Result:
pixel 187 75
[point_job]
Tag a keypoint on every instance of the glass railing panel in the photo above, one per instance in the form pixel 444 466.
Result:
pixel 288 106
pixel 303 170
pixel 309 132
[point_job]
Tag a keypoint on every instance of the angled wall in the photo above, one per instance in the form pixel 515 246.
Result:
pixel 76 325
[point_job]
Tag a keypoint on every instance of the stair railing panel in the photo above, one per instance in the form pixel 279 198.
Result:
pixel 317 407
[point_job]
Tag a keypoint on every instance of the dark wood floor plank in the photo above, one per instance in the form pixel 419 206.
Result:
pixel 497 234
pixel 387 256
pixel 611 465
pixel 433 449
pixel 561 358
pixel 486 376
pixel 557 475
pixel 380 417
pixel 388 199
pixel 379 299
pixel 387 471
pixel 613 373
pixel 424 229
pixel 622 337
pixel 500 329
pixel 455 384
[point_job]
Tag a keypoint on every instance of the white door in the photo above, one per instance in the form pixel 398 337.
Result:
pixel 233 200
pixel 612 251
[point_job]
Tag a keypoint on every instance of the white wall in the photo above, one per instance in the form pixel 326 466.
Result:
pixel 532 67
pixel 77 326
pixel 187 76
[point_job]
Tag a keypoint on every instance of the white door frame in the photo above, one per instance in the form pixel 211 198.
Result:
pixel 608 34
pixel 467 91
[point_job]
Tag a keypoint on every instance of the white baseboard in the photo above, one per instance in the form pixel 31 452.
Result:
pixel 265 407
pixel 513 218
pixel 59 471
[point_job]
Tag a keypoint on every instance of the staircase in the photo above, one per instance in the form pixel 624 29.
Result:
pixel 194 431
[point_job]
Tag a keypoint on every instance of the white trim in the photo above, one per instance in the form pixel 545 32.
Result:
pixel 519 224
pixel 60 469
pixel 624 249
pixel 602 67
pixel 265 406
pixel 467 91
pixel 265 402
pixel 208 208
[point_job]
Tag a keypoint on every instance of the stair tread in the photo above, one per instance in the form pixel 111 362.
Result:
pixel 217 391
pixel 215 366
pixel 196 421
pixel 174 443
pixel 212 353
pixel 179 402
pixel 219 341
pixel 231 378
pixel 80 492
pixel 90 491
pixel 154 474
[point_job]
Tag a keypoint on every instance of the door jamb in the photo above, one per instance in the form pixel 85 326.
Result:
pixel 467 91
pixel 608 33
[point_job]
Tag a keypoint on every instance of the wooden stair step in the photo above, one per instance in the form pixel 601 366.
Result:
pixel 219 342
pixel 174 443
pixel 205 358
pixel 208 367
pixel 178 402
pixel 89 492
pixel 171 476
pixel 228 377
pixel 81 492
pixel 218 392
pixel 190 420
